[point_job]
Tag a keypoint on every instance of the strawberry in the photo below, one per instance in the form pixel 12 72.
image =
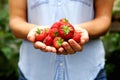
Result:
pixel 46 30
pixel 57 42
pixel 56 25
pixel 48 40
pixel 76 36
pixel 53 32
pixel 64 21
pixel 60 22
pixel 66 31
pixel 40 34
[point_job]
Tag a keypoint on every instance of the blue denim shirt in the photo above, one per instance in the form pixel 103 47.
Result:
pixel 38 65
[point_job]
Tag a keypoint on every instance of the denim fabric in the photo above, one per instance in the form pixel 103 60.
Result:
pixel 21 76
pixel 101 75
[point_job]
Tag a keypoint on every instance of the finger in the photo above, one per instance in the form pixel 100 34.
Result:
pixel 68 48
pixel 82 42
pixel 53 49
pixel 61 50
pixel 84 37
pixel 39 45
pixel 31 35
pixel 48 49
pixel 76 47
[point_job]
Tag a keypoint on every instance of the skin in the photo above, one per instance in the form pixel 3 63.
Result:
pixel 91 29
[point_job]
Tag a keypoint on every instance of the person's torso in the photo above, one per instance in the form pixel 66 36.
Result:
pixel 38 65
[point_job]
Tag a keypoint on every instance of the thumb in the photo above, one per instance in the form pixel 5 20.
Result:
pixel 82 41
pixel 31 36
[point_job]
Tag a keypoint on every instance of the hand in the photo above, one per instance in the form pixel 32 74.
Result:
pixel 38 44
pixel 72 46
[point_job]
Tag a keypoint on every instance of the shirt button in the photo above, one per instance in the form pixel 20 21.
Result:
pixel 61 64
pixel 59 3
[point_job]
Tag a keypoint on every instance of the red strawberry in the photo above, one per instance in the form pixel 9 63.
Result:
pixel 46 30
pixel 66 31
pixel 76 36
pixel 56 25
pixel 64 21
pixel 57 42
pixel 53 32
pixel 40 34
pixel 60 22
pixel 48 40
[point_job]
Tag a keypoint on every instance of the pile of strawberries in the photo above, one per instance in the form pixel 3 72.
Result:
pixel 58 33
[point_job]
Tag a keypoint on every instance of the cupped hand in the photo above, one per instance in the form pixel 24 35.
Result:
pixel 71 47
pixel 38 44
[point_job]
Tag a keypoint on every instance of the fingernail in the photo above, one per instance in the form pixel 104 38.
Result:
pixel 65 45
pixel 83 41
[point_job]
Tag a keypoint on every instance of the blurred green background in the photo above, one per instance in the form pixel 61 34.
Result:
pixel 9 45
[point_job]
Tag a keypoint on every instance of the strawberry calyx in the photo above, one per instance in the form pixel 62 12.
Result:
pixel 66 29
pixel 59 41
pixel 64 20
pixel 56 33
pixel 46 30
pixel 38 31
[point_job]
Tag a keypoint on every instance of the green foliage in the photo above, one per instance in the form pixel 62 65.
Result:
pixel 111 42
pixel 112 46
pixel 9 46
